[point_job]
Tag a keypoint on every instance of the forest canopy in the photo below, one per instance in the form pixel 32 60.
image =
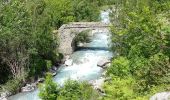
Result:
pixel 27 42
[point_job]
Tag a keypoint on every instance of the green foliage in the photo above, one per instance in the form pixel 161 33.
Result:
pixel 49 90
pixel 71 90
pixel 85 10
pixel 12 86
pixel 119 67
pixel 126 89
pixel 121 89
pixel 64 11
pixel 82 37
pixel 49 64
pixel 154 72
pixel 61 11
pixel 26 36
pixel 141 38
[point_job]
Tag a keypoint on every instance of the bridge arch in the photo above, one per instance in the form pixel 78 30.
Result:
pixel 68 32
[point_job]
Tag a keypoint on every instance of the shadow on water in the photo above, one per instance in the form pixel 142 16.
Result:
pixel 91 48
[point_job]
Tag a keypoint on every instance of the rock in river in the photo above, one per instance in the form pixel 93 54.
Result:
pixel 4 95
pixel 102 63
pixel 28 88
pixel 41 80
pixel 69 62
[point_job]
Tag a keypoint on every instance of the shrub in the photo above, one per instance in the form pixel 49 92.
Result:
pixel 49 91
pixel 12 86
pixel 82 37
pixel 119 89
pixel 73 90
pixel 119 67
pixel 155 71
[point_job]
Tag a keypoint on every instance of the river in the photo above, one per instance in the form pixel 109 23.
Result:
pixel 84 61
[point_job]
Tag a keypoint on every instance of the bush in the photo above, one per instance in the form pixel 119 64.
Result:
pixel 119 67
pixel 71 90
pixel 49 91
pixel 82 37
pixel 120 89
pixel 154 71
pixel 12 86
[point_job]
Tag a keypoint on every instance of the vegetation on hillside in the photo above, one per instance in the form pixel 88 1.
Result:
pixel 27 43
pixel 141 31
pixel 71 90
pixel 141 40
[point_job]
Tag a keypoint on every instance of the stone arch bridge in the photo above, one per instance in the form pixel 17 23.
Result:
pixel 68 32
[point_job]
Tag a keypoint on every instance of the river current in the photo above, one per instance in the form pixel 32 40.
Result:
pixel 84 61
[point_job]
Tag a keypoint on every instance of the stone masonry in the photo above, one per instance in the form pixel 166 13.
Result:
pixel 68 32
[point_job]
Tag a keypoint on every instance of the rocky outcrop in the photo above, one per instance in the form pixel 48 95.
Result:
pixel 69 62
pixel 4 95
pixel 97 85
pixel 40 80
pixel 29 87
pixel 3 98
pixel 53 70
pixel 104 63
pixel 161 96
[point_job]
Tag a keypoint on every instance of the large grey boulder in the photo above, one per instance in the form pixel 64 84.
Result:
pixel 103 62
pixel 161 96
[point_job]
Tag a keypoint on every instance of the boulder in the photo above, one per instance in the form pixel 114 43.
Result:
pixel 54 68
pixel 97 84
pixel 3 98
pixel 4 95
pixel 41 80
pixel 161 96
pixel 54 73
pixel 28 88
pixel 102 63
pixel 107 65
pixel 69 62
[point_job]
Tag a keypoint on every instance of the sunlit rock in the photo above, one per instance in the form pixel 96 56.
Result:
pixel 102 63
pixel 41 80
pixel 4 95
pixel 69 62
pixel 28 88
pixel 161 96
